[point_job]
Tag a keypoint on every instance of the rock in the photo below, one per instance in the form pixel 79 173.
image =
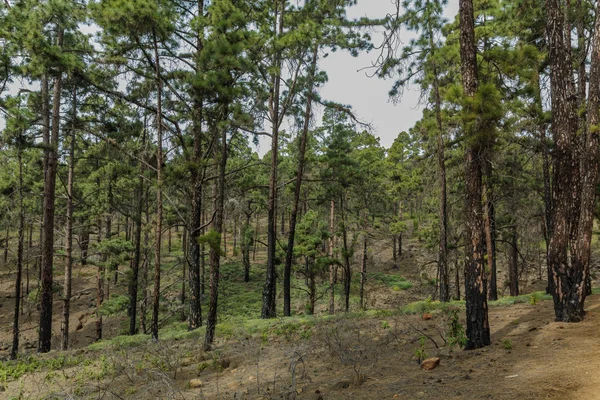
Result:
pixel 396 396
pixel 430 363
pixel 195 383
pixel 342 385
pixel 79 326
pixel 187 362
pixel 427 317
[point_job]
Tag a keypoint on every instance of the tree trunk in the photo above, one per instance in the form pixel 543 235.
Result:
pixel 15 343
pixel 441 159
pixel 51 164
pixel 568 278
pixel 457 281
pixel 137 243
pixel 513 271
pixel 135 264
pixel 6 240
pixel 215 248
pixel 363 273
pixel 246 242
pixel 270 288
pixel 490 234
pixel 331 264
pixel 69 250
pixel 478 330
pixel 99 287
pixel 589 170
pixel 347 270
pixel 159 207
pixel 146 266
pixel 184 273
pixel 298 186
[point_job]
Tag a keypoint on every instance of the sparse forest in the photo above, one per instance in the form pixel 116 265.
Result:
pixel 185 215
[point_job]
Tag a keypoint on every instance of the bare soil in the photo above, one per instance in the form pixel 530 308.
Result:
pixel 364 356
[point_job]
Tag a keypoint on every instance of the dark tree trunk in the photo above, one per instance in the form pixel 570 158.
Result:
pixel 184 274
pixel 568 278
pixel 159 207
pixel 99 286
pixel 69 250
pixel 490 232
pixel 15 342
pixel 7 241
pixel 332 266
pixel 457 281
pixel 513 269
pixel 312 285
pixel 51 164
pixel 298 186
pixel 215 248
pixel 146 266
pixel 363 274
pixel 478 330
pixel 270 288
pixel 441 159
pixel 347 269
pixel 84 244
pixel 137 242
pixel 589 172
pixel 195 314
pixel 246 243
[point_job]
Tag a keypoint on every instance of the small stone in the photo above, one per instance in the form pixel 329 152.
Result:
pixel 187 361
pixel 195 383
pixel 427 317
pixel 430 363
pixel 396 396
pixel 342 385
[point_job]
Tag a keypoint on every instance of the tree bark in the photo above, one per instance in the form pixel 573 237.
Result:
pixel 478 330
pixel 568 278
pixel 137 250
pixel 589 172
pixel 270 288
pixel 331 264
pixel 363 273
pixel 298 186
pixel 159 207
pixel 347 269
pixel 513 271
pixel 15 343
pixel 51 164
pixel 69 250
pixel 215 248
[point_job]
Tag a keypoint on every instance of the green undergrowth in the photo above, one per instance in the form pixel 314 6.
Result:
pixel 396 282
pixel 530 298
pixel 15 369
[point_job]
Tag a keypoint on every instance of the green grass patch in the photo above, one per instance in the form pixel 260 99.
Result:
pixel 428 305
pixel 531 298
pixel 396 282
pixel 119 342
pixel 15 369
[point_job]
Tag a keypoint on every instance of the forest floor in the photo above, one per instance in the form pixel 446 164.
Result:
pixel 360 355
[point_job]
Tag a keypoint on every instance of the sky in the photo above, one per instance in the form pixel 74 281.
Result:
pixel 369 96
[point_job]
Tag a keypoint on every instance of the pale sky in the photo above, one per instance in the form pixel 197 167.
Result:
pixel 369 96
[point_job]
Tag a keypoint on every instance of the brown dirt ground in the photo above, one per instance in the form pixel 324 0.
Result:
pixel 347 358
